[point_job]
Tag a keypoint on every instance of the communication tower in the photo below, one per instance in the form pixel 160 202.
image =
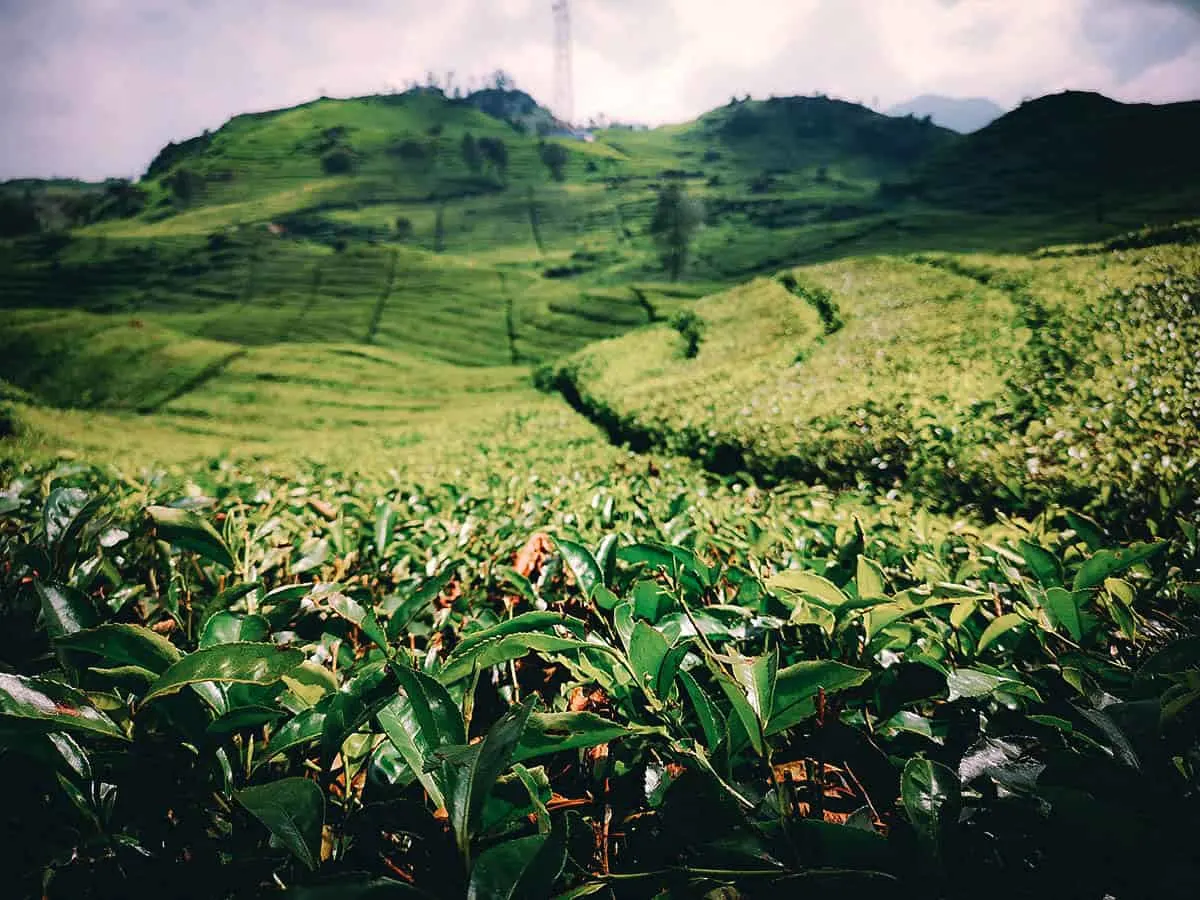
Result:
pixel 564 74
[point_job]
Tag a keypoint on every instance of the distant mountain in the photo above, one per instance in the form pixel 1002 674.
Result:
pixel 1073 148
pixel 963 115
pixel 793 133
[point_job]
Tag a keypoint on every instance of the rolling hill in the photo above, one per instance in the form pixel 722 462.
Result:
pixel 1073 149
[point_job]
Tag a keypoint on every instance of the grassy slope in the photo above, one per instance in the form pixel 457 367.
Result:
pixel 964 377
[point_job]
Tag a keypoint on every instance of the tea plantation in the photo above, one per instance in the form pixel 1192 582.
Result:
pixel 348 558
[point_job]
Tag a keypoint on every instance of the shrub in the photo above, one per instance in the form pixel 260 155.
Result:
pixel 691 328
pixel 555 158
pixel 818 298
pixel 338 161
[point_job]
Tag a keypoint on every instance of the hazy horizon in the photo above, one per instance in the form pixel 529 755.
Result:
pixel 96 87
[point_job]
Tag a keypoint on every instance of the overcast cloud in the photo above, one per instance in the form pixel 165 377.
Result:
pixel 94 87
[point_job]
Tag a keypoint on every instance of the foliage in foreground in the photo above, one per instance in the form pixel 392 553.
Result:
pixel 264 689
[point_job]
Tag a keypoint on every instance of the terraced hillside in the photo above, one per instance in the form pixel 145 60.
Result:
pixel 424 228
pixel 995 379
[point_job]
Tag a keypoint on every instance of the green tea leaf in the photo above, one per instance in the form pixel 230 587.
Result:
pixel 227 663
pixel 808 584
pixel 554 732
pixel 1063 607
pixel 183 528
pixel 712 720
pixel 870 579
pixel 757 677
pixel 525 867
pixel 1106 563
pixel 355 887
pixel 1042 564
pixel 64 610
pixel 352 611
pixel 472 774
pixel 999 626
pixel 460 664
pixel 232 628
pixel 584 566
pixel 292 809
pixel 305 728
pixel 796 689
pixel 48 705
pixel 125 645
pixel 526 622
pixel 423 719
pixel 932 798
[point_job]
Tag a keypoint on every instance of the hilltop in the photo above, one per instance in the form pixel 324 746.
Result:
pixel 1072 149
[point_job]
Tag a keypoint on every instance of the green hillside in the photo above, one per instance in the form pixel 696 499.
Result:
pixel 997 380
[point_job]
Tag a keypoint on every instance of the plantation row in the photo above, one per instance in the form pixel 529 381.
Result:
pixel 627 681
pixel 1003 381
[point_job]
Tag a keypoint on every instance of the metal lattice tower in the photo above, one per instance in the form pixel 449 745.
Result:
pixel 564 70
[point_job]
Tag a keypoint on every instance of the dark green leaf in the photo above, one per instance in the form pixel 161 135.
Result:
pixel 521 868
pixel 1178 656
pixel 647 651
pixel 422 720
pixel 712 720
pixel 292 809
pixel 227 663
pixel 932 797
pixel 1042 564
pixel 183 528
pixel 1106 563
pixel 355 887
pixel 1063 607
pixel 419 600
pixel 306 728
pixel 554 732
pixel 125 645
pixel 796 689
pixel 1087 529
pixel 232 628
pixel 587 571
pixel 64 610
pixel 352 611
pixel 45 704
pixel 472 774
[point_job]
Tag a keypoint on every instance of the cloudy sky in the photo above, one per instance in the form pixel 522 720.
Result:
pixel 93 88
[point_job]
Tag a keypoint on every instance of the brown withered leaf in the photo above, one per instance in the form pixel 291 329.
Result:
pixel 532 556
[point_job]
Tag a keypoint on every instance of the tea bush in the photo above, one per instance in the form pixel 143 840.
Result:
pixel 235 684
